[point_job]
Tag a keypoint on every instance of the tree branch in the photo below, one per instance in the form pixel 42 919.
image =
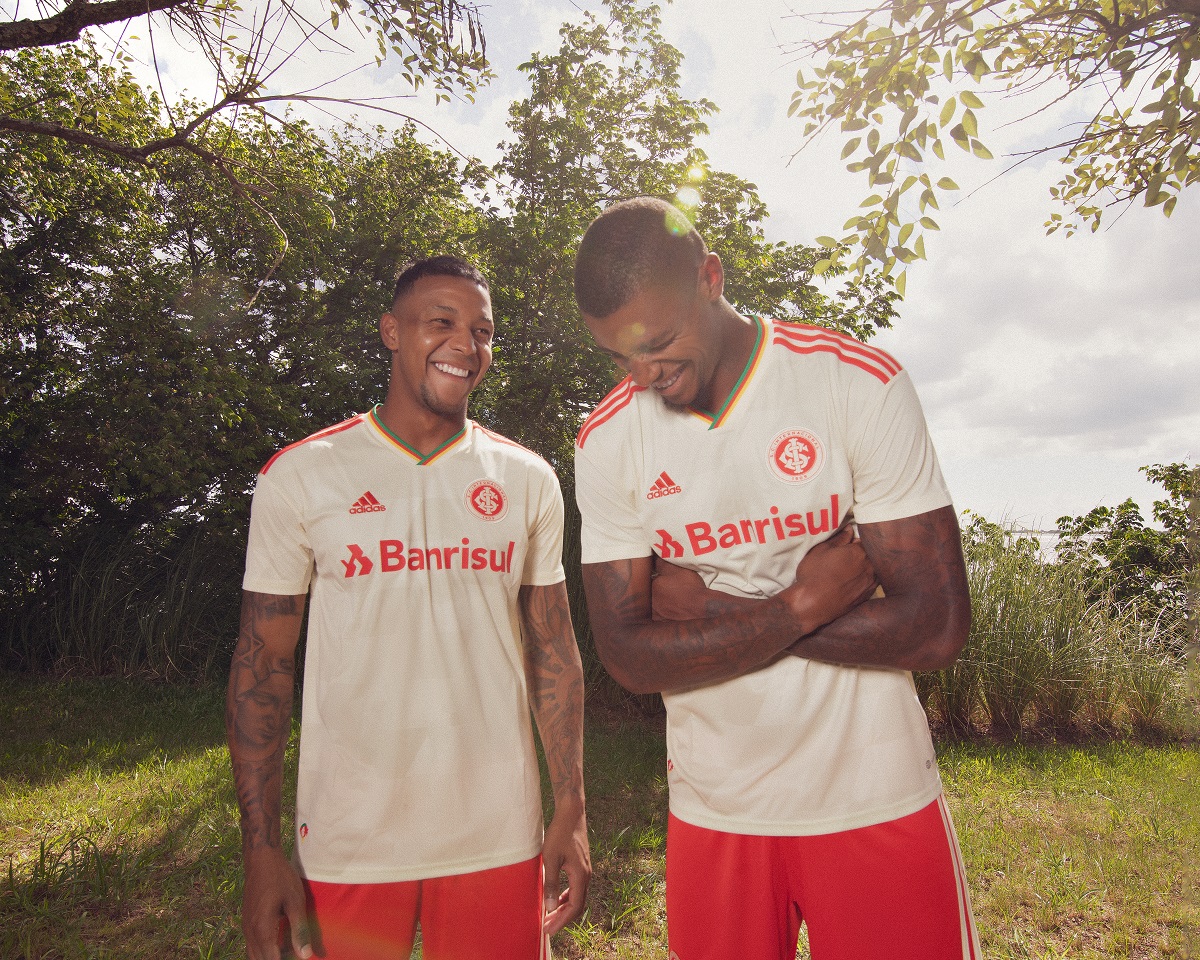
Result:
pixel 72 20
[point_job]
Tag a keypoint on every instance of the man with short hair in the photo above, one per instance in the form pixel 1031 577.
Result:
pixel 719 484
pixel 432 549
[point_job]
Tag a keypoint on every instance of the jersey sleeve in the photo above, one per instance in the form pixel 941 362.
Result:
pixel 543 559
pixel 279 558
pixel 896 470
pixel 612 528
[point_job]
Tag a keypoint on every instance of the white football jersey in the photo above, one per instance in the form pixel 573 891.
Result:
pixel 820 428
pixel 416 751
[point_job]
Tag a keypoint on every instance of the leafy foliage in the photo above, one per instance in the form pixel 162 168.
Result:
pixel 149 369
pixel 162 335
pixel 904 77
pixel 605 119
pixel 1128 563
pixel 244 50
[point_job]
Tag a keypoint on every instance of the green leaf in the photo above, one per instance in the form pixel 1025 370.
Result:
pixel 982 152
pixel 945 183
pixel 828 241
pixel 948 110
pixel 970 99
pixel 851 146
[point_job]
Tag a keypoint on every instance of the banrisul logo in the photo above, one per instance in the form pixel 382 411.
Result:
pixel 486 498
pixel 394 555
pixel 705 536
pixel 796 456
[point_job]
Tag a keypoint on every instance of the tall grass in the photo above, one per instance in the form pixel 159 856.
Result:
pixel 1041 656
pixel 119 605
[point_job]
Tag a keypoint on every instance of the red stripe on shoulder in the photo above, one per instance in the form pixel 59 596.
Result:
pixel 618 398
pixel 808 339
pixel 328 431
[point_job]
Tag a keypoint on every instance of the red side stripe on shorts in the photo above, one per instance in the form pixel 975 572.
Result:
pixel 816 340
pixel 966 920
pixel 619 398
pixel 336 428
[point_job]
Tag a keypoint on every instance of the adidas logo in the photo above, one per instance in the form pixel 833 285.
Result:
pixel 367 504
pixel 664 486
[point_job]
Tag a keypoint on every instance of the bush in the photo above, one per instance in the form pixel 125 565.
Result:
pixel 1041 654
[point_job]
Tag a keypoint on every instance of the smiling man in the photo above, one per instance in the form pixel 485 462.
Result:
pixel 717 484
pixel 431 548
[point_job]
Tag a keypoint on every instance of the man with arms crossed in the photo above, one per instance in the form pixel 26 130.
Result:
pixel 803 784
pixel 432 549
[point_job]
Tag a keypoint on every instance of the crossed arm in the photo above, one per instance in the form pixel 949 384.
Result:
pixel 258 716
pixel 554 676
pixel 703 636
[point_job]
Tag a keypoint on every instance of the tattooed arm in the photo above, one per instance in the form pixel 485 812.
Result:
pixel 258 717
pixel 554 676
pixel 735 637
pixel 919 623
pixel 923 620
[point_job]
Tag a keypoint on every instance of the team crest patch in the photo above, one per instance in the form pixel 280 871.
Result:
pixel 796 456
pixel 486 499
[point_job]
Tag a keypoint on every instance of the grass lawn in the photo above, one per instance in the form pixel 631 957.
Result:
pixel 118 834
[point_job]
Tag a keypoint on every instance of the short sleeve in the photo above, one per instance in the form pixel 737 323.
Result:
pixel 543 559
pixel 895 468
pixel 612 528
pixel 279 558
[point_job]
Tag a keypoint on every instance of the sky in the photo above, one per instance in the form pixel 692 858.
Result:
pixel 1050 368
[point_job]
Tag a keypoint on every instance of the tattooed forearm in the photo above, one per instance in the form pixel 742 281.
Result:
pixel 922 621
pixel 258 710
pixel 646 655
pixel 555 679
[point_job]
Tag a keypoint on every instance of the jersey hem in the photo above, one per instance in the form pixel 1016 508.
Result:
pixel 869 818
pixel 546 582
pixel 277 587
pixel 901 511
pixel 399 875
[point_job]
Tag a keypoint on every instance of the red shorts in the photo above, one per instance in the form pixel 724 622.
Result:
pixel 489 915
pixel 893 890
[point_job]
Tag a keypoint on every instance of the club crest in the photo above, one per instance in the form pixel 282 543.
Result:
pixel 486 499
pixel 796 456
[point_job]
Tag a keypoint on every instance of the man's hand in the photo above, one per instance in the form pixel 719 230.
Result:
pixel 832 579
pixel 677 593
pixel 835 576
pixel 565 850
pixel 273 891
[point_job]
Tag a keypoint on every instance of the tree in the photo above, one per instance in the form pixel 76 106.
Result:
pixel 440 42
pixel 159 340
pixel 605 119
pixel 1126 563
pixel 905 75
